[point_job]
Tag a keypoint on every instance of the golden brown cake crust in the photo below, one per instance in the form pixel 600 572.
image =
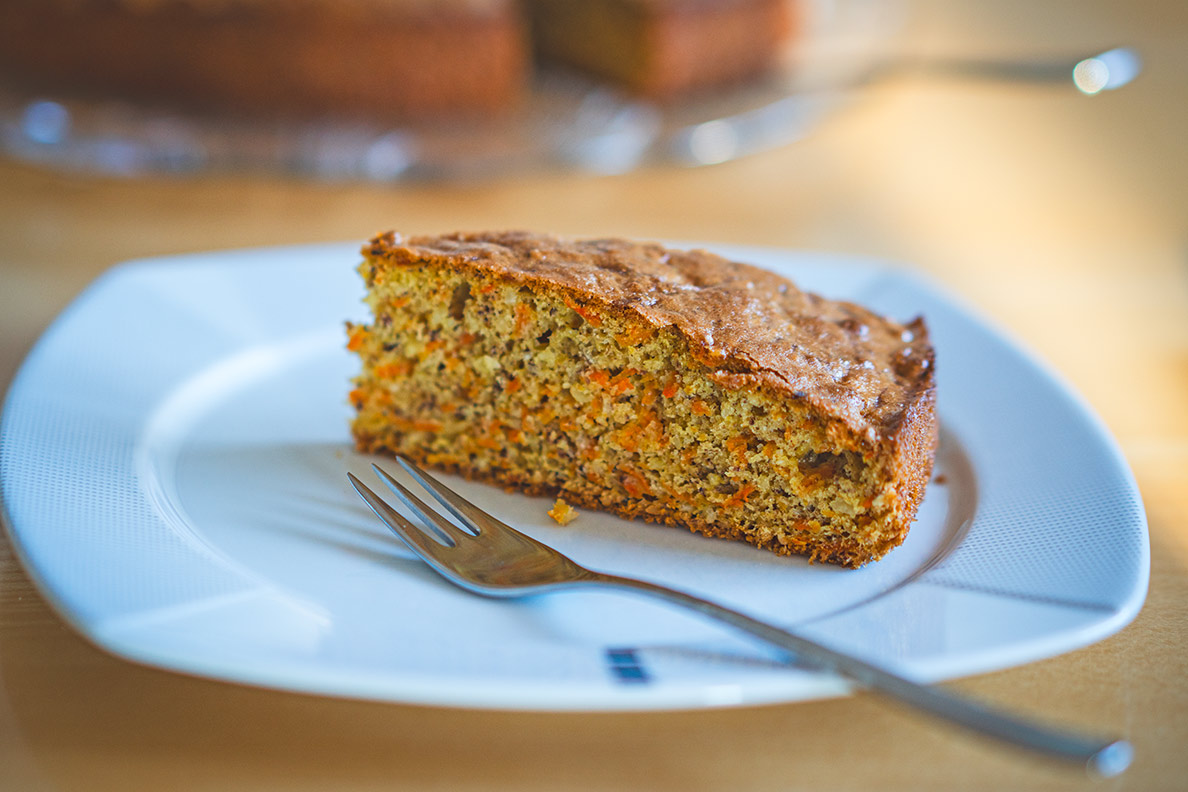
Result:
pixel 841 358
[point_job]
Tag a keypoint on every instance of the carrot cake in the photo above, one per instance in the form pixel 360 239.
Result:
pixel 381 60
pixel 664 49
pixel 385 60
pixel 675 386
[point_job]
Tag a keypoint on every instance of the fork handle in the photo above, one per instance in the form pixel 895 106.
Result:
pixel 1101 757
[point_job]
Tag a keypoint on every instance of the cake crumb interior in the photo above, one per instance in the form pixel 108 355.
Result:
pixel 478 374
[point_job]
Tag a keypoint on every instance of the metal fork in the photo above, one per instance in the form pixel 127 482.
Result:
pixel 496 560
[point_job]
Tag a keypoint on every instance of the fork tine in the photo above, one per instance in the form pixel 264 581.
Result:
pixel 410 534
pixel 475 518
pixel 449 532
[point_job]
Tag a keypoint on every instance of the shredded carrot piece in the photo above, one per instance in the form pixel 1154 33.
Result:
pixel 635 484
pixel 740 497
pixel 523 316
pixel 670 390
pixel 700 408
pixel 589 314
pixel 407 425
pixel 628 437
pixel 634 336
pixel 512 386
pixel 738 446
pixel 357 337
pixel 622 382
pixel 389 370
pixel 430 348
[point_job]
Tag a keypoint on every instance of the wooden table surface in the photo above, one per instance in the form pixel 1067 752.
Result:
pixel 1063 218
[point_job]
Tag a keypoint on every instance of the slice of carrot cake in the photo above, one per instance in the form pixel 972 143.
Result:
pixel 677 386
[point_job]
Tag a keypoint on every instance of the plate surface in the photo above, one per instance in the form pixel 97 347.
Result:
pixel 173 459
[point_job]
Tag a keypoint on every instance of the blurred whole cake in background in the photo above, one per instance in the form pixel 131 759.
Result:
pixel 390 60
pixel 663 48
pixel 367 58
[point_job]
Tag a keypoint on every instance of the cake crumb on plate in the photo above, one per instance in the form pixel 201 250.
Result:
pixel 562 512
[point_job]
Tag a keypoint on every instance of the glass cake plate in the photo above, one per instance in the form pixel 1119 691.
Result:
pixel 566 122
pixel 173 459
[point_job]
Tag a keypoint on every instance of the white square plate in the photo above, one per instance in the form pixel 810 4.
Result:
pixel 173 459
